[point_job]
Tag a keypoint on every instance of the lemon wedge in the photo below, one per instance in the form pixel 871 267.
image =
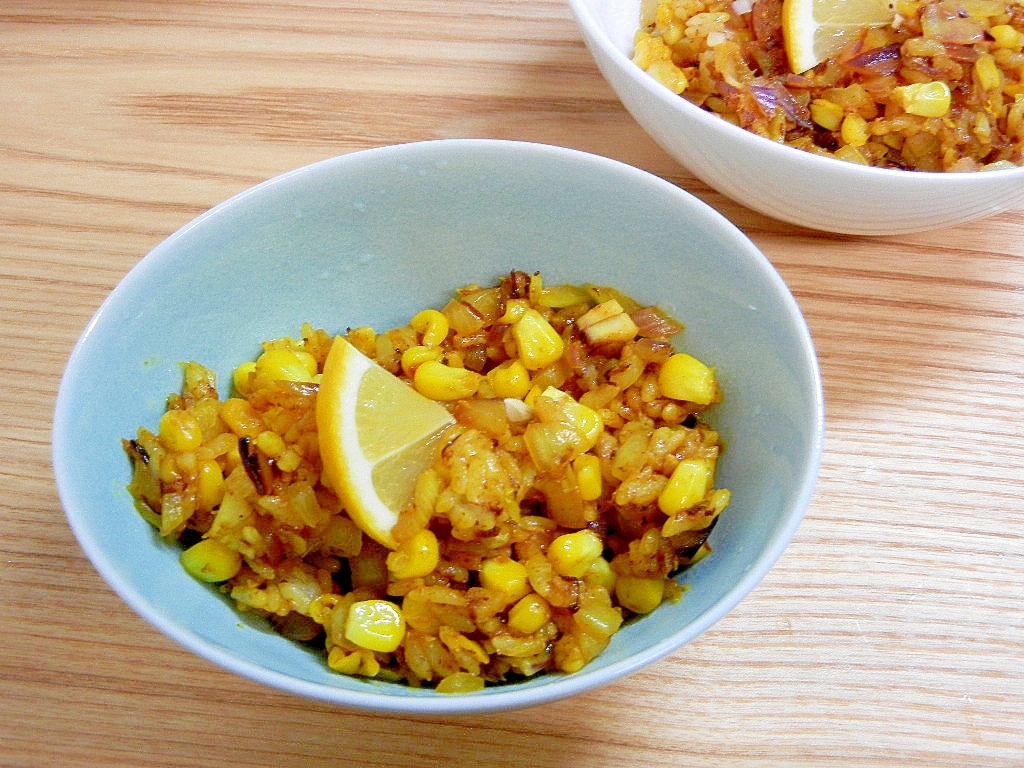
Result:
pixel 377 435
pixel 813 30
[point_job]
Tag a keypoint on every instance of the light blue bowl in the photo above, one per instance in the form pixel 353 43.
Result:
pixel 369 238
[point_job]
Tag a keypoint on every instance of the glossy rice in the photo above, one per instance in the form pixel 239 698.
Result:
pixel 940 89
pixel 559 504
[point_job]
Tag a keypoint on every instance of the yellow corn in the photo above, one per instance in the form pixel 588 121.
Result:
pixel 209 560
pixel 639 595
pixel 854 130
pixel 514 309
pixel 286 364
pixel 209 485
pixel 987 72
pixel 180 431
pixel 668 74
pixel 1006 36
pixel 600 573
pixel 417 355
pixel 377 625
pixel 417 556
pixel 510 379
pixel 588 476
pixel 684 377
pixel 597 617
pixel 505 575
pixel 924 99
pixel 432 326
pixel 320 608
pixel 270 443
pixel 529 614
pixel 460 682
pixel 242 377
pixel 538 343
pixel 289 461
pixel 647 49
pixel 571 554
pixel 851 155
pixel 438 381
pixel 342 661
pixel 827 114
pixel 690 482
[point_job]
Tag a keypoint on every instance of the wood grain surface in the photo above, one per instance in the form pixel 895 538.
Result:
pixel 890 633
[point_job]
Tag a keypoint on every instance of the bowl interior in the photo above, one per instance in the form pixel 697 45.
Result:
pixel 368 239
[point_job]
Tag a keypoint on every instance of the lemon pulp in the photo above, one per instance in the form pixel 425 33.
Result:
pixel 377 435
pixel 813 30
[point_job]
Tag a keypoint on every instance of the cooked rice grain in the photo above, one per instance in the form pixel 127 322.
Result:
pixel 535 534
pixel 942 89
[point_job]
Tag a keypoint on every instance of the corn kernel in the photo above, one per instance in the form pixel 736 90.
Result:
pixel 417 355
pixel 854 130
pixel 438 381
pixel 601 574
pixel 684 377
pixel 377 625
pixel 924 99
pixel 1006 36
pixel 242 377
pixel 210 560
pixel 647 49
pixel 509 379
pixel 588 476
pixel 270 443
pixel 289 461
pixel 209 485
pixel 505 575
pixel 180 431
pixel 460 682
pixel 598 617
pixel 432 326
pixel 514 309
pixel 987 72
pixel 538 343
pixel 827 114
pixel 529 614
pixel 572 553
pixel 668 74
pixel 285 364
pixel 639 595
pixel 851 155
pixel 417 556
pixel 690 482
pixel 343 661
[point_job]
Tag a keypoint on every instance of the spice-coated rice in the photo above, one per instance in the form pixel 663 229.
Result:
pixel 559 505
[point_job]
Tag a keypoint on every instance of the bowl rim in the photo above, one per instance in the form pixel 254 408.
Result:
pixel 812 163
pixel 499 698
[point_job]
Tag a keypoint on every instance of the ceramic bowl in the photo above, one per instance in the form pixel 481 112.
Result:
pixel 779 181
pixel 371 237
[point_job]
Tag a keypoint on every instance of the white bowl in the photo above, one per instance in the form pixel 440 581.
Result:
pixel 371 237
pixel 774 179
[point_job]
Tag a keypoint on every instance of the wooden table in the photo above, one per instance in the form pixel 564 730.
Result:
pixel 890 633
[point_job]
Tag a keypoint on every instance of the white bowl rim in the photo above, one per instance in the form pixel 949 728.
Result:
pixel 491 699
